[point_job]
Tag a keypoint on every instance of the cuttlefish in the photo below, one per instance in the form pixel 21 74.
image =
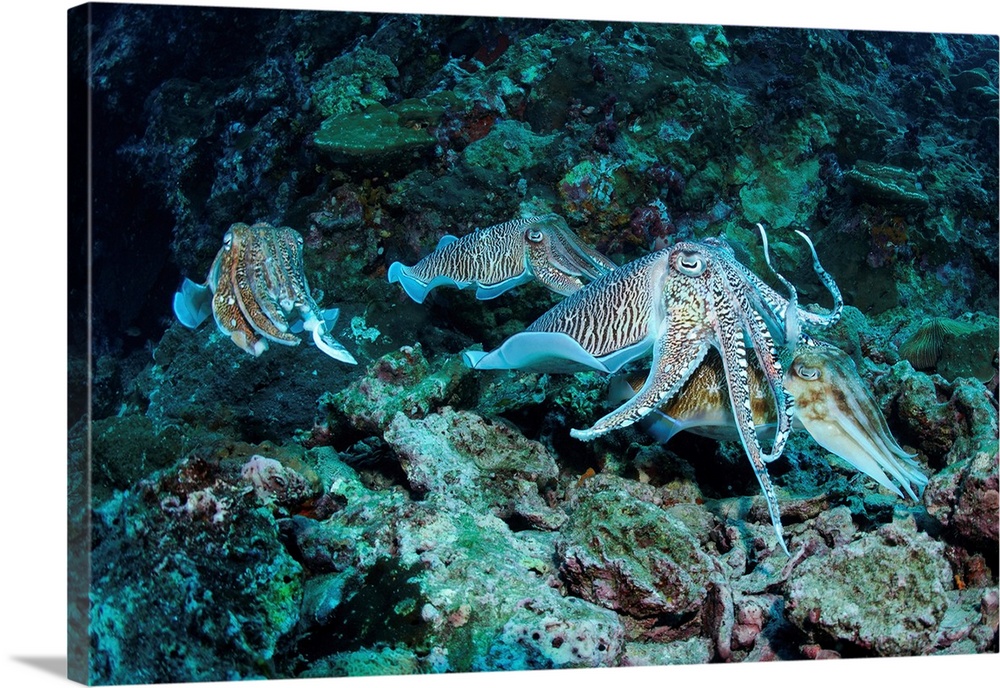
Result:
pixel 499 258
pixel 678 303
pixel 831 403
pixel 256 282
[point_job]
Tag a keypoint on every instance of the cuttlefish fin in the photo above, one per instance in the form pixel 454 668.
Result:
pixel 551 352
pixel 445 240
pixel 192 303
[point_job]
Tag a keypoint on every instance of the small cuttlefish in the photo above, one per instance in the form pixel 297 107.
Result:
pixel 499 258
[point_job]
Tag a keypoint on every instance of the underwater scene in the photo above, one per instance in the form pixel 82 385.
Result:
pixel 409 344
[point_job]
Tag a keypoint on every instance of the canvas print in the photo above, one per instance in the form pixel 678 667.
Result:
pixel 406 343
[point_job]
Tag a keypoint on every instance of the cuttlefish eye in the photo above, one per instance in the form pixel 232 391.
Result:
pixel 690 263
pixel 806 372
pixel 227 241
pixel 535 236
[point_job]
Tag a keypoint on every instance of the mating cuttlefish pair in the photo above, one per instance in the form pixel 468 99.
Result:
pixel 730 358
pixel 255 285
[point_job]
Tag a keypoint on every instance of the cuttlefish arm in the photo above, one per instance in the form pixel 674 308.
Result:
pixel 499 258
pixel 837 410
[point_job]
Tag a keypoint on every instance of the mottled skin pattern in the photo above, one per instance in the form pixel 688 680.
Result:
pixel 257 281
pixel 252 252
pixel 501 257
pixel 688 298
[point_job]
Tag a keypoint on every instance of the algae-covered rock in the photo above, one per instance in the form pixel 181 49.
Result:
pixel 778 192
pixel 485 463
pixel 510 147
pixel 965 498
pixel 883 593
pixel 127 448
pixel 381 660
pixel 399 382
pixel 187 567
pixel 352 81
pixel 631 556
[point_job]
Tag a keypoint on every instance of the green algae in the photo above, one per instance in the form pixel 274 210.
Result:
pixel 375 131
pixel 510 147
pixel 382 132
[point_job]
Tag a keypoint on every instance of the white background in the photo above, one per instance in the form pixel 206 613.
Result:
pixel 33 335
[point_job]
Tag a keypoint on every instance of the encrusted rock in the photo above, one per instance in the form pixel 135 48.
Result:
pixel 632 556
pixel 572 635
pixel 482 462
pixel 965 498
pixel 399 382
pixel 884 592
pixel 696 650
pixel 187 568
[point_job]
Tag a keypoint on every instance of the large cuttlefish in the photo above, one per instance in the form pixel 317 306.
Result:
pixel 679 302
pixel 831 403
pixel 255 283
pixel 499 258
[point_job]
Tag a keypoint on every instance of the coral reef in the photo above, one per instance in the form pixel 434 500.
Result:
pixel 290 516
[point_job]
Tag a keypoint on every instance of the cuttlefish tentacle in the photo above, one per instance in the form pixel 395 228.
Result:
pixel 499 258
pixel 822 321
pixel 790 314
pixel 801 316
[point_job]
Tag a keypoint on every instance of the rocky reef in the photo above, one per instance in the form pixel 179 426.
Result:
pixel 292 516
